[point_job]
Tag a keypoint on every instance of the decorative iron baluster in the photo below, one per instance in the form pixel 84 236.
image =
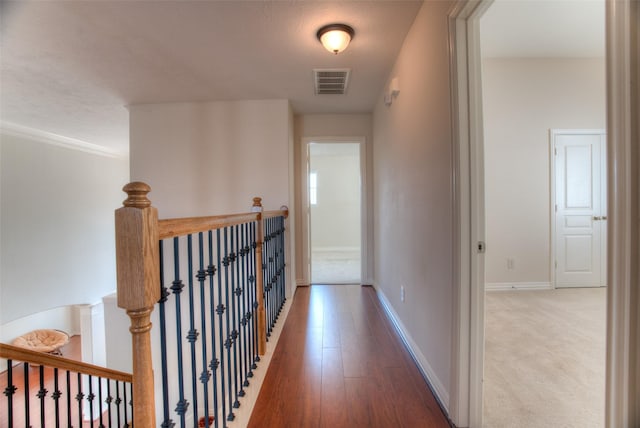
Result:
pixel 220 310
pixel 265 274
pixel 68 398
pixel 213 365
pixel 56 396
pixel 9 391
pixel 42 393
pixel 79 397
pixel 126 404
pixel 206 374
pixel 282 264
pixel 254 297
pixel 27 421
pixel 227 344
pixel 108 400
pixel 176 287
pixel 235 287
pixel 245 305
pixel 167 422
pixel 100 402
pixel 192 336
pixel 118 402
pixel 90 398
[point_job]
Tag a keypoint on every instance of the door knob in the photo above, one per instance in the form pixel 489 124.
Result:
pixel 596 218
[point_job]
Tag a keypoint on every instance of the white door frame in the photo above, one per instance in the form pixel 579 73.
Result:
pixel 305 252
pixel 467 366
pixel 623 230
pixel 552 184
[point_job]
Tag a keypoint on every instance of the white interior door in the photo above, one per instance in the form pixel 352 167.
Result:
pixel 580 208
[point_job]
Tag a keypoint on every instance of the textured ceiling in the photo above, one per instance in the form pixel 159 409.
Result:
pixel 71 67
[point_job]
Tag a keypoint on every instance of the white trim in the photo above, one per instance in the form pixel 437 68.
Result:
pixel 504 286
pixel 20 131
pixel 423 365
pixel 623 295
pixel 468 264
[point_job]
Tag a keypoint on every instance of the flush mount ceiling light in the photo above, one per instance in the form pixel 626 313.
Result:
pixel 335 37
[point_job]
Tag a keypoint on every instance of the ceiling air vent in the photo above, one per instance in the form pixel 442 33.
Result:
pixel 331 81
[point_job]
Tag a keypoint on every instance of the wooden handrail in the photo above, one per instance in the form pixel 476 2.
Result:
pixel 284 211
pixel 16 353
pixel 170 228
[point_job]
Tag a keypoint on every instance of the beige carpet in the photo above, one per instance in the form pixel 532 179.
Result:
pixel 545 358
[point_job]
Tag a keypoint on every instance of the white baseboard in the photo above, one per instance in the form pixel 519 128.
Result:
pixel 503 286
pixel 441 393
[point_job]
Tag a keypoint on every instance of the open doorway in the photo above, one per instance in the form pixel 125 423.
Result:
pixel 540 98
pixel 334 195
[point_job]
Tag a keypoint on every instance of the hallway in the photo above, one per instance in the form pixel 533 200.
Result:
pixel 340 363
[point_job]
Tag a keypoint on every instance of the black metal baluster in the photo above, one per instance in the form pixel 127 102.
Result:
pixel 164 296
pixel 282 264
pixel 245 305
pixel 176 287
pixel 205 375
pixel 254 295
pixel 9 391
pixel 192 336
pixel 126 404
pixel 56 396
pixel 109 400
pixel 213 365
pixel 220 311
pixel 118 401
pixel 265 273
pixel 79 397
pixel 268 277
pixel 272 283
pixel 235 283
pixel 227 343
pixel 68 398
pixel 100 402
pixel 27 418
pixel 90 398
pixel 42 393
pixel 276 272
pixel 131 409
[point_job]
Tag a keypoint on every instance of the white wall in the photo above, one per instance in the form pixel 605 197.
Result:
pixel 413 195
pixel 211 158
pixel 331 125
pixel 522 100
pixel 57 243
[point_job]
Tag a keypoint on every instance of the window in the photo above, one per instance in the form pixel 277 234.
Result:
pixel 313 188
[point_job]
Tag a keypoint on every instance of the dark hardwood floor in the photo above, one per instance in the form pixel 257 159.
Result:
pixel 340 363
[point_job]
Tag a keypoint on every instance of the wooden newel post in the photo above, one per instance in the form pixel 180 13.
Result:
pixel 262 314
pixel 138 290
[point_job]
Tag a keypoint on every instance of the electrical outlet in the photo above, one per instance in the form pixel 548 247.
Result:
pixel 402 293
pixel 510 264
